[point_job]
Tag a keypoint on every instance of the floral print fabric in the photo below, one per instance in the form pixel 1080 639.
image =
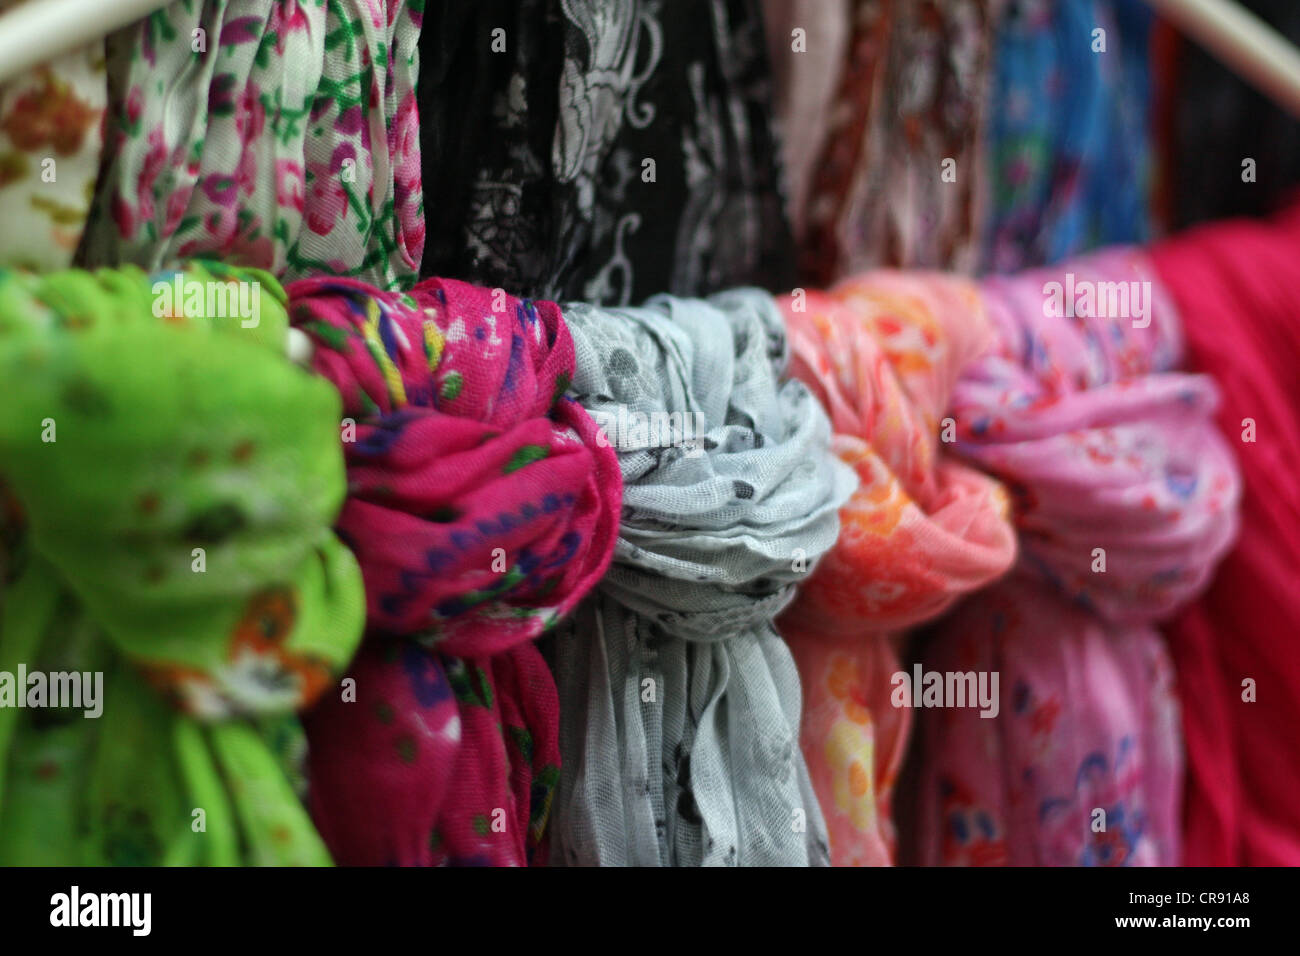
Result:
pixel 198 569
pixel 482 506
pixel 51 135
pixel 280 135
pixel 1125 501
pixel 1066 141
pixel 882 352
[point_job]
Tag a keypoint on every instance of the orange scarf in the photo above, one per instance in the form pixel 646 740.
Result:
pixel 882 352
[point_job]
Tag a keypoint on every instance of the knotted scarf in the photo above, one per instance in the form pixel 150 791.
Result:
pixel 282 135
pixel 1125 500
pixel 51 135
pixel 882 353
pixel 679 700
pixel 482 506
pixel 177 477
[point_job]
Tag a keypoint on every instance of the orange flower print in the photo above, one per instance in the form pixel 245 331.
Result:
pixel 845 686
pixel 49 115
pixel 259 673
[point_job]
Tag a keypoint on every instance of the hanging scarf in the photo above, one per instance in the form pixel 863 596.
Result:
pixel 804 87
pixel 1125 498
pixel 1067 138
pixel 602 150
pixel 51 134
pixel 1236 649
pixel 177 477
pixel 481 507
pixel 900 171
pixel 281 135
pixel 882 353
pixel 679 700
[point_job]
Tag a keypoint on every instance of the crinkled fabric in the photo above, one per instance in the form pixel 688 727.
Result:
pixel 289 141
pixel 51 136
pixel 1067 138
pixel 1235 648
pixel 482 506
pixel 882 353
pixel 679 713
pixel 176 478
pixel 1125 500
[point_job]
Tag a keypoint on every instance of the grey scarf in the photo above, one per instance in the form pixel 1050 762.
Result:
pixel 679 701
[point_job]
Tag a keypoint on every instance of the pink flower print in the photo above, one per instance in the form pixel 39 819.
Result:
pixel 252 247
pixel 123 216
pixel 250 121
pixel 404 149
pixel 220 189
pixel 220 225
pixel 404 154
pixel 155 159
pixel 288 184
pixel 326 200
pixel 288 17
pixel 177 203
pixel 241 30
pixel 349 121
pixel 134 107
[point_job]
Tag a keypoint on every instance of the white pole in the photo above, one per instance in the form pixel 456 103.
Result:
pixel 1244 42
pixel 36 32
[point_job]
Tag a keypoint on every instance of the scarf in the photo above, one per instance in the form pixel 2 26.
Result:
pixel 882 353
pixel 175 478
pixel 1067 138
pixel 1125 500
pixel 1235 648
pixel 280 135
pixel 679 702
pixel 481 507
pixel 602 150
pixel 803 92
pixel 51 135
pixel 899 177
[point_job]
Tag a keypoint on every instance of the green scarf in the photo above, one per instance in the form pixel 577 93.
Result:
pixel 172 481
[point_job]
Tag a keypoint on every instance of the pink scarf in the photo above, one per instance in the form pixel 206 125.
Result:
pixel 1126 498
pixel 882 353
pixel 1235 283
pixel 481 507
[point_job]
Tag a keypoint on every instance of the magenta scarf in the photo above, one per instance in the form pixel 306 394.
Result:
pixel 481 508
pixel 1125 500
